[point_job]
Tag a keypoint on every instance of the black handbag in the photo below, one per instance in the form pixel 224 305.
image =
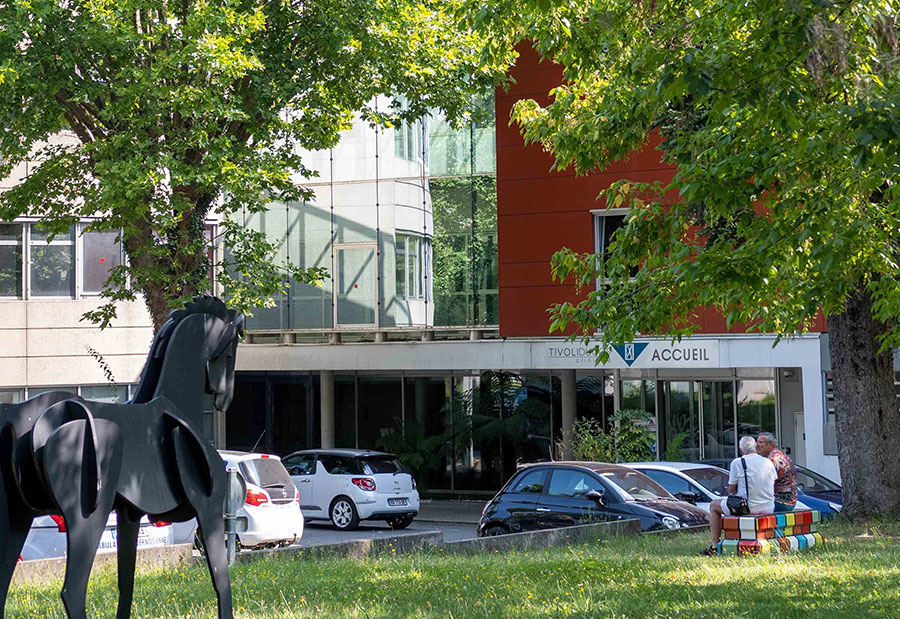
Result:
pixel 738 505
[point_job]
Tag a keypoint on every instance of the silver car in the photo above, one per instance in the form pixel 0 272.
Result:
pixel 345 486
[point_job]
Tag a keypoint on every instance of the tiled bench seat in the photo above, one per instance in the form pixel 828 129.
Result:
pixel 768 533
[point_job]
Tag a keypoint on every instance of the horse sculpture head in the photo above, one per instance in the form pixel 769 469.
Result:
pixel 222 329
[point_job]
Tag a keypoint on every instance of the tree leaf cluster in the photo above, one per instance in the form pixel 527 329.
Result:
pixel 153 116
pixel 781 124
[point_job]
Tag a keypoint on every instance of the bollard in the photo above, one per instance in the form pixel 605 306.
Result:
pixel 232 504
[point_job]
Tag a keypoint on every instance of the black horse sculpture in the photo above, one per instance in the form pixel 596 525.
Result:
pixel 60 454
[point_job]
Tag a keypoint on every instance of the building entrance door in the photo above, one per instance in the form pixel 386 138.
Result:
pixel 680 420
pixel 698 420
pixel 718 413
pixel 355 285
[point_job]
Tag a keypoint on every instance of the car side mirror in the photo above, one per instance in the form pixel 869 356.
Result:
pixel 688 497
pixel 595 495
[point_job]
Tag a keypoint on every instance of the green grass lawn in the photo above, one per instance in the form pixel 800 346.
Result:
pixel 856 575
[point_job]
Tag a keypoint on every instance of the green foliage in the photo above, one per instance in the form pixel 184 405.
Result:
pixel 627 441
pixel 782 124
pixel 673 447
pixel 591 442
pixel 152 116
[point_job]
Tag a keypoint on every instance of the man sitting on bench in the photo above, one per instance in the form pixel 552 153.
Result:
pixel 760 482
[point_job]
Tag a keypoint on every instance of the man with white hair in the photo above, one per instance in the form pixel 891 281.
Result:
pixel 751 476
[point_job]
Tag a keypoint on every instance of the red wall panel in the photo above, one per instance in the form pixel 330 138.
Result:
pixel 539 211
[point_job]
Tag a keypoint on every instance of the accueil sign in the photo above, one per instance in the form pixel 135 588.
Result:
pixel 649 355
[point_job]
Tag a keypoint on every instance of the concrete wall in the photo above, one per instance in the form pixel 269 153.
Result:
pixel 45 343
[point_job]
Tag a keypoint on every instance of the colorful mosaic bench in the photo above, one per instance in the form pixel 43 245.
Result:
pixel 769 533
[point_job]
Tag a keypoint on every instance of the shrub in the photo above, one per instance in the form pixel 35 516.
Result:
pixel 627 441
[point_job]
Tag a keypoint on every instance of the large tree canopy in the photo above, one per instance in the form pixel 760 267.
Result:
pixel 184 109
pixel 782 121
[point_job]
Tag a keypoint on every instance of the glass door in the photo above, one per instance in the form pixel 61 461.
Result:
pixel 718 419
pixel 355 285
pixel 681 420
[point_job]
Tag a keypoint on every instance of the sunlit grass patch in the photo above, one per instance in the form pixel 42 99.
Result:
pixel 856 574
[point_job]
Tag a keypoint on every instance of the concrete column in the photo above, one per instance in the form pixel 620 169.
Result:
pixel 326 407
pixel 421 399
pixel 567 378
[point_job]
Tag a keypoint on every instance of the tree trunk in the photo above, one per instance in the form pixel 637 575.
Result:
pixel 866 411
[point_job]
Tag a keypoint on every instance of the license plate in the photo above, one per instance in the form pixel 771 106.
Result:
pixel 395 502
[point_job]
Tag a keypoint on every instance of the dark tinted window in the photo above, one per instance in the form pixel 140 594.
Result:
pixel 670 481
pixel 813 482
pixel 342 465
pixel 572 484
pixel 531 482
pixel 266 473
pixel 300 465
pixel 382 464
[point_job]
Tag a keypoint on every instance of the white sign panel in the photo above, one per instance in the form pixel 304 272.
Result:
pixel 655 354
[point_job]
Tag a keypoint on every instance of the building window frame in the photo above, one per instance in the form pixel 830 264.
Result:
pixel 413 249
pixel 20 243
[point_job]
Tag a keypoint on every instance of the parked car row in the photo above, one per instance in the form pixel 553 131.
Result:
pixel 662 495
pixel 347 486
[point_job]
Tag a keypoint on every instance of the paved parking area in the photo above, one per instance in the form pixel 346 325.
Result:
pixel 317 534
pixel 457 520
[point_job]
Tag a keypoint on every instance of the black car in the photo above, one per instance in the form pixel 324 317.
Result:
pixel 559 494
pixel 809 483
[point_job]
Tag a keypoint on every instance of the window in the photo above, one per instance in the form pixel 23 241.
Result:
pixel 102 253
pixel 52 264
pixel 300 465
pixel 605 226
pixel 410 266
pixel 573 484
pixel 636 485
pixel 342 465
pixel 105 393
pixel 407 136
pixel 531 482
pixel 11 396
pixel 10 260
pixel 670 481
pixel 713 479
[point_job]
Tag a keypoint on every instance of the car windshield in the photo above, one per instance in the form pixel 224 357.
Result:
pixel 266 473
pixel 635 484
pixel 382 464
pixel 809 481
pixel 713 479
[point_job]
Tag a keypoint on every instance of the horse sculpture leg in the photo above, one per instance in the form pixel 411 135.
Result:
pixel 13 526
pixel 83 474
pixel 207 497
pixel 128 526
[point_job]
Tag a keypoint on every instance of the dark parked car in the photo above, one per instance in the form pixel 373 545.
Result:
pixel 815 491
pixel 558 494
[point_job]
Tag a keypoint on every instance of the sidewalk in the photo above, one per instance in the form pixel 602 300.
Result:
pixel 461 512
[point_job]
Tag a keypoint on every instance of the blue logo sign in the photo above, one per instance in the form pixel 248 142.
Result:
pixel 630 352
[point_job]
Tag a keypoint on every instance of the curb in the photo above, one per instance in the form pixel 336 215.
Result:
pixel 42 570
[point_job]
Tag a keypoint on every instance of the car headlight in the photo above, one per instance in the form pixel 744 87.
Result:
pixel 834 506
pixel 671 522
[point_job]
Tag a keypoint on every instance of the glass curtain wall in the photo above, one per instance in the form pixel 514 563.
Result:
pixel 463 186
pixel 420 200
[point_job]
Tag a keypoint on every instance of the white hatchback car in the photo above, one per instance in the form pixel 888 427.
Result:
pixel 272 507
pixel 349 485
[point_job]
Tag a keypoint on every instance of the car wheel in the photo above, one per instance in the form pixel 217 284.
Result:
pixel 400 522
pixel 343 514
pixel 494 531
